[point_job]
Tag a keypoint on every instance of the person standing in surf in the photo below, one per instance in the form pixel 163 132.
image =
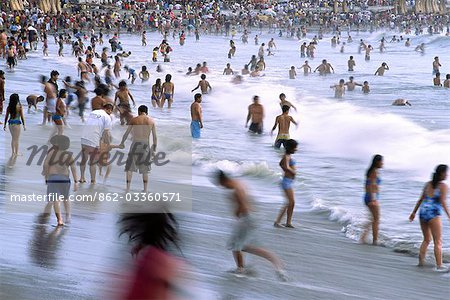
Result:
pixel 431 203
pixel 283 122
pixel 243 237
pixel 287 164
pixel 196 116
pixel 371 197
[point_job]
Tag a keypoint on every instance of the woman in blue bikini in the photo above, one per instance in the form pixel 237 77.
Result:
pixel 371 198
pixel 14 118
pixel 288 166
pixel 431 203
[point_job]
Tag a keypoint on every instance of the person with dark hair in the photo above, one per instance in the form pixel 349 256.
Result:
pixel 140 154
pixel 2 90
pixel 431 203
pixel 243 236
pixel 168 91
pixel 96 126
pixel 287 164
pixel 14 118
pixel 256 115
pixel 196 116
pixel 372 187
pixel 56 172
pixel 204 85
pixel 283 122
pixel 51 92
pixel 157 93
pixel 33 100
pixel 152 234
pixel 60 111
pixel 124 96
pixel 98 101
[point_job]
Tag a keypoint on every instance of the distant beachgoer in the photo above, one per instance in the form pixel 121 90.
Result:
pixel 284 102
pixel 436 65
pixel 401 102
pixel 365 88
pixel 324 68
pixel 339 89
pixel 204 85
pixel 350 84
pixel 196 116
pixel 437 79
pixel 283 122
pixel 228 70
pixel 351 64
pixel 447 81
pixel 306 68
pixel 256 115
pixel 14 118
pixel 431 203
pixel 2 90
pixel 371 197
pixel 243 237
pixel 287 164
pixel 144 75
pixel 380 71
pixel 292 73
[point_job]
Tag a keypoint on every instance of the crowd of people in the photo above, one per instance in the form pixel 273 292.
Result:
pixel 84 32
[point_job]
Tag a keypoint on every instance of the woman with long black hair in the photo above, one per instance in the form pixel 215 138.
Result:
pixel 432 201
pixel 14 118
pixel 371 197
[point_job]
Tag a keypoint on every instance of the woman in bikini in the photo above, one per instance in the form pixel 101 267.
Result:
pixel 14 118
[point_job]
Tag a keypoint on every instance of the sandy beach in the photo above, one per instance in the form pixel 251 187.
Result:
pixel 76 262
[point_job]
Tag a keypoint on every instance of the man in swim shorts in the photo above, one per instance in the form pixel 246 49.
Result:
pixel 140 154
pixel 256 115
pixel 283 122
pixel 196 116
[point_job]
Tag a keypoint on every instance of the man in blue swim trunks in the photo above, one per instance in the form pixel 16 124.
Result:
pixel 196 115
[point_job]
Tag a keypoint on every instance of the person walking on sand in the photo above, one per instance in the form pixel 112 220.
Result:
pixel 287 164
pixel 372 187
pixel 196 116
pixel 431 203
pixel 14 118
pixel 243 236
pixel 140 154
pixel 56 172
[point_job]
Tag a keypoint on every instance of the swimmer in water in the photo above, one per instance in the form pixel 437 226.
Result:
pixel 292 73
pixel 283 122
pixel 256 115
pixel 204 85
pixel 144 75
pixel 437 80
pixel 339 89
pixel 401 102
pixel 306 68
pixel 365 88
pixel 380 71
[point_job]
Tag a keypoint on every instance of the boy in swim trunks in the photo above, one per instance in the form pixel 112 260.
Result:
pixel 196 116
pixel 256 114
pixel 283 122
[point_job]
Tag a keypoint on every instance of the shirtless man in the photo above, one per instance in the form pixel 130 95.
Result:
pixel 256 114
pixel 324 68
pixel 196 116
pixel 261 50
pixel 306 68
pixel 244 232
pixel 339 89
pixel 436 65
pixel 204 68
pixel 350 84
pixel 2 90
pixel 51 92
pixel 292 73
pixel 283 122
pixel 140 154
pixel 98 101
pixel 124 96
pixel 56 172
pixel 228 70
pixel 204 85
pixel 437 80
pixel 283 102
pixel 447 81
pixel 380 71
pixel 351 64
pixel 168 89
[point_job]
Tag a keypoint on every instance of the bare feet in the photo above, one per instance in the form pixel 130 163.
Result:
pixel 277 225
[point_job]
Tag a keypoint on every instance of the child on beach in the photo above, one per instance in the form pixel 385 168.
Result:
pixel 131 73
pixel 365 87
pixel 144 75
pixel 104 150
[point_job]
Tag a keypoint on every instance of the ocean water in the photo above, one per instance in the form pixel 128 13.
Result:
pixel 337 137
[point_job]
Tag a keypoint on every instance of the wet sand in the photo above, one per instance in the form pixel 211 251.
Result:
pixel 39 261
